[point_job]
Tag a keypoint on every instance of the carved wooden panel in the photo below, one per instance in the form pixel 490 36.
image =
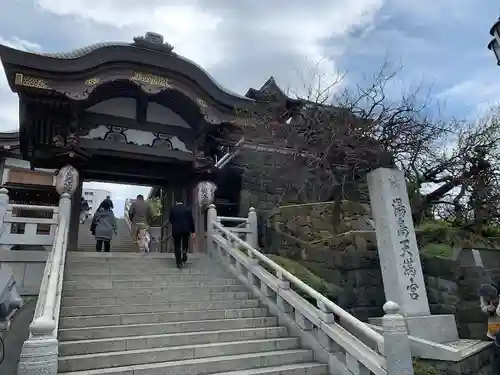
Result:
pixel 16 176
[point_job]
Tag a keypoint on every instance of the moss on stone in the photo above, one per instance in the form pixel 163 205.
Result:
pixel 440 238
pixel 327 289
pixel 441 250
pixel 420 368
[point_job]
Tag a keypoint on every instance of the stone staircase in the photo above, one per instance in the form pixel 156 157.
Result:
pixel 137 314
pixel 122 242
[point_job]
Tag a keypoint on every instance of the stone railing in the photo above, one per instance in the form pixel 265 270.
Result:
pixel 21 227
pixel 349 347
pixel 39 353
pixel 30 231
pixel 246 227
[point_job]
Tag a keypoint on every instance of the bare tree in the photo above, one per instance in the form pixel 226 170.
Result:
pixel 334 138
pixel 464 178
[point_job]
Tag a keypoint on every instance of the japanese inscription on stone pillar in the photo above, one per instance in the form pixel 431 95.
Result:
pixel 409 270
pixel 396 242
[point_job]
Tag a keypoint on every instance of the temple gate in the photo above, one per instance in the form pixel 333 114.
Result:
pixel 133 113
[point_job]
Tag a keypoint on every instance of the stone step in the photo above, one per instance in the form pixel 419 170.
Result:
pixel 103 258
pixel 90 283
pixel 114 249
pixel 78 255
pixel 102 332
pixel 163 317
pixel 308 368
pixel 124 244
pixel 168 277
pixel 159 307
pixel 135 266
pixel 133 273
pixel 115 262
pixel 175 353
pixel 211 365
pixel 153 298
pixel 140 295
pixel 159 341
pixel 126 292
pixel 140 270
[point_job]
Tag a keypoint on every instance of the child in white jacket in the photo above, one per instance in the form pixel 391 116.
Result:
pixel 488 296
pixel 143 238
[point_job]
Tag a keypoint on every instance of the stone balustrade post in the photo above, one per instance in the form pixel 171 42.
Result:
pixel 39 354
pixel 253 236
pixel 4 202
pixel 396 342
pixel 211 218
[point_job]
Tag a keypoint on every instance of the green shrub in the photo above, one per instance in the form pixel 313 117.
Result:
pixel 441 250
pixel 439 237
pixel 491 231
pixel 420 368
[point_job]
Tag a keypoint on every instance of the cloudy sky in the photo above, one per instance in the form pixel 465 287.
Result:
pixel 241 43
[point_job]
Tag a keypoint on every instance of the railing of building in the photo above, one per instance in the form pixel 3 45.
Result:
pixel 348 345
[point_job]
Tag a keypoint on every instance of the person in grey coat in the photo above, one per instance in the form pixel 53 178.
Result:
pixel 103 227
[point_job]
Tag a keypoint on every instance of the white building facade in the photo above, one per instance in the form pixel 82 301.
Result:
pixel 94 197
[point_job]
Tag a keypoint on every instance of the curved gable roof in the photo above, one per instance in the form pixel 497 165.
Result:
pixel 148 50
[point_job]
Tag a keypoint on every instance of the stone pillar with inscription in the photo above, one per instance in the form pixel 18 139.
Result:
pixel 400 258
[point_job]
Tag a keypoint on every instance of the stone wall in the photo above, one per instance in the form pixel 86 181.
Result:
pixel 28 268
pixel 263 183
pixel 350 261
pixel 481 363
pixel 274 178
pixel 453 289
pixel 356 272
pixel 315 222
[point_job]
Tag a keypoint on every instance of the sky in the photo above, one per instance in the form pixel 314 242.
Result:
pixel 242 43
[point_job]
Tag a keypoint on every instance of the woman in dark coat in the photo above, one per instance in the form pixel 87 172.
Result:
pixel 103 227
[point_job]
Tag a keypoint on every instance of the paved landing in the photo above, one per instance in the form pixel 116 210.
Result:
pixel 16 336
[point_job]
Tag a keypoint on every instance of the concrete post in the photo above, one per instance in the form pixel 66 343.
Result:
pixel 396 341
pixel 253 237
pixel 211 218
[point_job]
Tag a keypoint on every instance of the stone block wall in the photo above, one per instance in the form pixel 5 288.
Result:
pixel 481 363
pixel 351 262
pixel 356 272
pixel 453 289
pixel 315 222
pixel 264 183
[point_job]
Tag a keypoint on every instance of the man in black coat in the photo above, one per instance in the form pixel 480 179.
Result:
pixel 110 202
pixel 182 222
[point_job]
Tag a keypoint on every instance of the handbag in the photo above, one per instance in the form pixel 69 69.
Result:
pixel 493 328
pixel 93 225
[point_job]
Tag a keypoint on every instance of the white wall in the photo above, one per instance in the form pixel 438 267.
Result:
pixel 94 197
